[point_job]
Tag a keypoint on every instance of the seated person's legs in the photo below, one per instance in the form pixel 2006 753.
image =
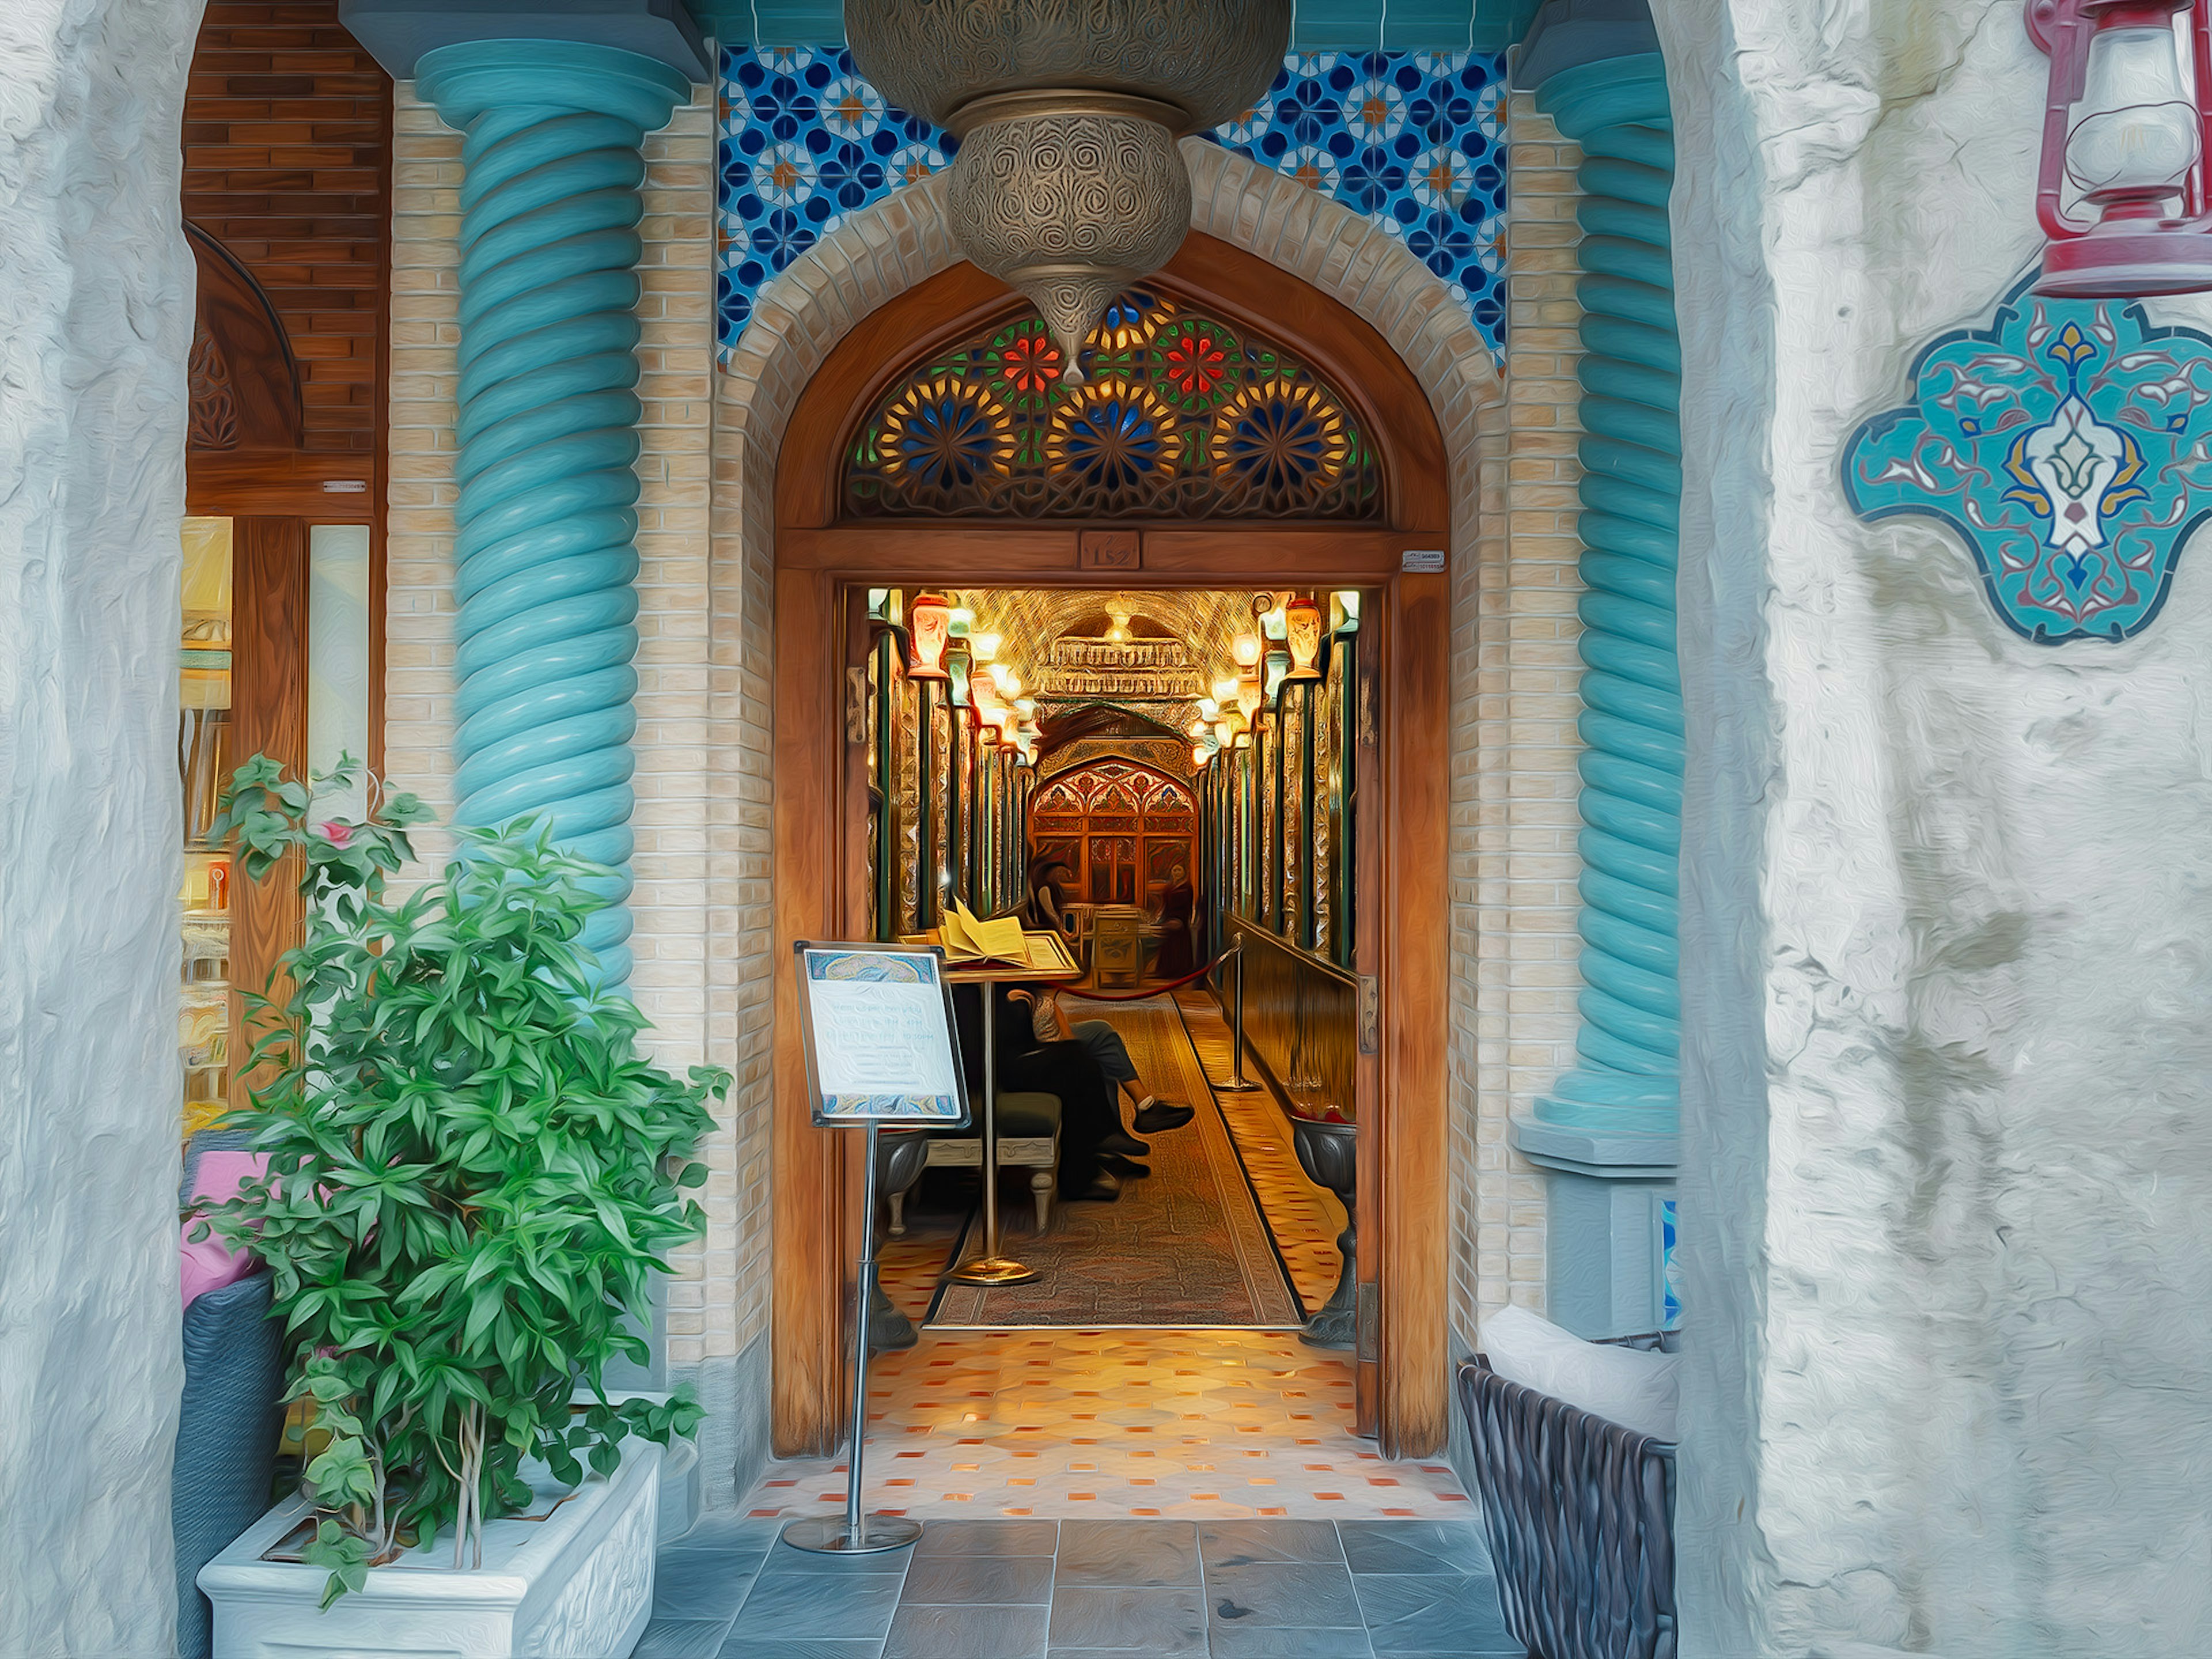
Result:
pixel 1153 1115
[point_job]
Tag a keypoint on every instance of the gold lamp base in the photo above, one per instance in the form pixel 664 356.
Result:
pixel 992 1270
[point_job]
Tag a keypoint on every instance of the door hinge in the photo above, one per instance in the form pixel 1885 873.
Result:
pixel 856 704
pixel 1367 1306
pixel 1370 1014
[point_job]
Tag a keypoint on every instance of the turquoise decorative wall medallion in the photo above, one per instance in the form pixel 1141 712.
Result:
pixel 2070 443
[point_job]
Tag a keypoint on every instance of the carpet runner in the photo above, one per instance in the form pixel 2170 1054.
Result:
pixel 1183 1247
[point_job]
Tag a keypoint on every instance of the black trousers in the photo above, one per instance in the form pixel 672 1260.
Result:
pixel 1089 1107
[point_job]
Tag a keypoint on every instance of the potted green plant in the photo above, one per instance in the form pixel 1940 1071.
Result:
pixel 472 1172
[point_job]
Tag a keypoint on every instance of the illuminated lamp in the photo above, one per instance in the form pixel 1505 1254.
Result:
pixel 1344 611
pixel 985 645
pixel 1225 732
pixel 1249 693
pixel 962 670
pixel 1199 755
pixel 1271 623
pixel 1246 648
pixel 2125 119
pixel 961 621
pixel 1279 670
pixel 930 625
pixel 1303 632
pixel 1209 708
pixel 1008 682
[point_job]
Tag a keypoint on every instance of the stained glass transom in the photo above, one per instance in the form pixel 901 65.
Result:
pixel 1181 416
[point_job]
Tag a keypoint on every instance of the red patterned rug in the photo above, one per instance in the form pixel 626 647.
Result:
pixel 1183 1247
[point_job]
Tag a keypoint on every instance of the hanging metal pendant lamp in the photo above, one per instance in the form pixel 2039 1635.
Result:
pixel 1068 185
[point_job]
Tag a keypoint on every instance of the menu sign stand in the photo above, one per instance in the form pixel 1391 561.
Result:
pixel 876 1022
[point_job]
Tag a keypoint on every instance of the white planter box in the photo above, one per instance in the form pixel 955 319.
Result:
pixel 576 1585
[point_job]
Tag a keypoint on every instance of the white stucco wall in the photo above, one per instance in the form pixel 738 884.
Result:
pixel 1947 1175
pixel 95 319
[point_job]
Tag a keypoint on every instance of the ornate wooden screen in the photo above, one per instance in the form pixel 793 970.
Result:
pixel 1121 829
pixel 1183 416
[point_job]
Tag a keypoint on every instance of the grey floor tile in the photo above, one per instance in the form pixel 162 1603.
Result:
pixel 785 1559
pixel 1241 1543
pixel 727 1532
pixel 945 1579
pixel 1277 1594
pixel 1150 1622
pixel 1432 1612
pixel 974 1633
pixel 701 1584
pixel 740 1647
pixel 790 1605
pixel 1414 1547
pixel 1128 1555
pixel 986 1538
pixel 681 1639
pixel 1231 1641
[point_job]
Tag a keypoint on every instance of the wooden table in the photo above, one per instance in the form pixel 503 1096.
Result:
pixel 1049 964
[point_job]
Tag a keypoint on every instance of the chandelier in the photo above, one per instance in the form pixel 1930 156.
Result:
pixel 1068 185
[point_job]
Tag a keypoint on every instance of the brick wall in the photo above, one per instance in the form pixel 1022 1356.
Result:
pixel 285 130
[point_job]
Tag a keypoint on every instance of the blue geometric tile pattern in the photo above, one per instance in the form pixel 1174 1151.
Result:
pixel 1410 139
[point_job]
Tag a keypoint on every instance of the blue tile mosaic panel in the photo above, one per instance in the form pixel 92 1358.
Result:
pixel 1411 139
pixel 1671 1285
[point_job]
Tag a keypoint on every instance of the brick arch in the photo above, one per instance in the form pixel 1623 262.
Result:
pixel 837 295
pixel 906 239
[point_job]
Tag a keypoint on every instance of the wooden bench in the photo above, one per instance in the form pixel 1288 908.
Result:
pixel 1029 1138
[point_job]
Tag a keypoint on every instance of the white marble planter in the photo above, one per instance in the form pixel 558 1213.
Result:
pixel 576 1585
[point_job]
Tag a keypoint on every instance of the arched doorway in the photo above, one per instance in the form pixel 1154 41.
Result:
pixel 1119 829
pixel 824 555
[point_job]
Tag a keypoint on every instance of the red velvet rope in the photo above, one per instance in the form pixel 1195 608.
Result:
pixel 1151 991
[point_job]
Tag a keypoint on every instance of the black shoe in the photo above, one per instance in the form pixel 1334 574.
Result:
pixel 1122 1145
pixel 1162 1115
pixel 1126 1166
pixel 1104 1190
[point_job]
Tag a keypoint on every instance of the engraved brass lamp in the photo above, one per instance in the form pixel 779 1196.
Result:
pixel 1068 184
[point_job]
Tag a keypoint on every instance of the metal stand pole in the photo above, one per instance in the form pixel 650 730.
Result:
pixel 1238 1083
pixel 991 1267
pixel 853 1533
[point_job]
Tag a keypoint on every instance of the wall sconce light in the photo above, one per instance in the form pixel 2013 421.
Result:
pixel 985 645
pixel 1279 670
pixel 1303 633
pixel 1209 708
pixel 1008 682
pixel 1249 694
pixel 1199 756
pixel 2124 123
pixel 931 629
pixel 1245 647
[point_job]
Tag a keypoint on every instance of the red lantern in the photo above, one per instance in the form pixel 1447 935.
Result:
pixel 930 626
pixel 2125 124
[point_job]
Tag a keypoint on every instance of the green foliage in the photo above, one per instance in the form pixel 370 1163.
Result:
pixel 472 1171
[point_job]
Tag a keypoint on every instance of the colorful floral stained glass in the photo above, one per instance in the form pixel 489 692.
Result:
pixel 1181 415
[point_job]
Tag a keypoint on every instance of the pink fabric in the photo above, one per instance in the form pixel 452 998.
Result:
pixel 209 1263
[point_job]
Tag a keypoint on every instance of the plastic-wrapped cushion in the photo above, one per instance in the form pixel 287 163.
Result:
pixel 1633 1388
pixel 226 1439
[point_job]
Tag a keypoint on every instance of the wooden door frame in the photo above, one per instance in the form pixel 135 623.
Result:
pixel 821 888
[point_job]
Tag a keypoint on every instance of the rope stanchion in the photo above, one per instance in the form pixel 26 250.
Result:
pixel 1149 990
pixel 1237 1083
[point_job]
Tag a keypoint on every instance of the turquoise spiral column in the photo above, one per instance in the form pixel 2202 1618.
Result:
pixel 1607 1133
pixel 546 520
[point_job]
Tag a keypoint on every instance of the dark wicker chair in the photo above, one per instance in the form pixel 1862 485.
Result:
pixel 1580 1516
pixel 228 1428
